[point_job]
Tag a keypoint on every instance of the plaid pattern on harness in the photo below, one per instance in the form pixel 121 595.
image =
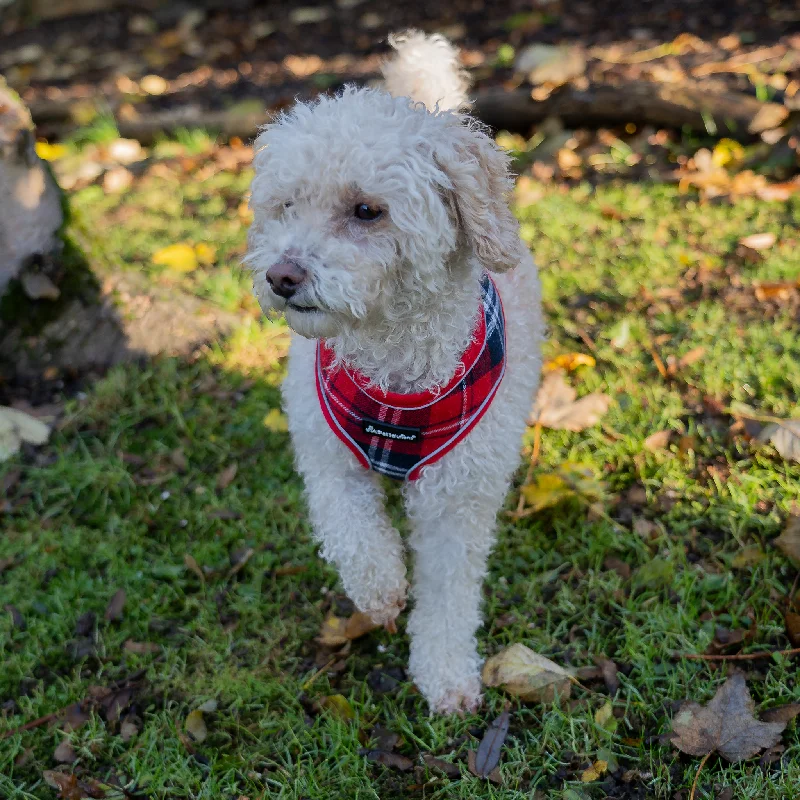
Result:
pixel 398 434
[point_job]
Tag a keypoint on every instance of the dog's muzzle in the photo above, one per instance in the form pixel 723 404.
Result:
pixel 285 278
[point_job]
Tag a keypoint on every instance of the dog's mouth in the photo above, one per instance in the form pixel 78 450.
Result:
pixel 302 309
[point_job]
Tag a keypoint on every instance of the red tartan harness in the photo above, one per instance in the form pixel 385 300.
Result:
pixel 398 434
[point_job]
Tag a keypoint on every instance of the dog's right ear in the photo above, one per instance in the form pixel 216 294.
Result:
pixel 479 184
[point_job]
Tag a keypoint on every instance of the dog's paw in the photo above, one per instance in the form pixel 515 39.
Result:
pixel 388 608
pixel 464 700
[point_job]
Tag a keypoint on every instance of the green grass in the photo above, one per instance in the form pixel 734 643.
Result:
pixel 104 507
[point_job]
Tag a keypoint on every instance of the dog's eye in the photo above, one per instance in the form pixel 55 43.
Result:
pixel 288 204
pixel 367 212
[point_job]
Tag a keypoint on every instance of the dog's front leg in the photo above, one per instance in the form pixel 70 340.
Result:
pixel 453 517
pixel 347 511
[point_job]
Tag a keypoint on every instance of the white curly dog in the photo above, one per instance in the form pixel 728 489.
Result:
pixel 378 216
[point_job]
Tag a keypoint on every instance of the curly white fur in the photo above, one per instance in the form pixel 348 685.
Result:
pixel 396 299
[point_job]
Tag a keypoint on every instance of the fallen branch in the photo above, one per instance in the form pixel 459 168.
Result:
pixel 643 102
pixel 738 656
pixel 666 105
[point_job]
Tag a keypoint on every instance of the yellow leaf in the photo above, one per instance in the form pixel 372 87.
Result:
pixel 206 254
pixel 570 479
pixel 338 706
pixel 527 675
pixel 569 362
pixel 153 84
pixel 276 421
pixel 336 631
pixel 50 152
pixel 332 633
pixel 604 717
pixel 597 770
pixel 546 491
pixel 726 151
pixel 177 257
pixel 196 725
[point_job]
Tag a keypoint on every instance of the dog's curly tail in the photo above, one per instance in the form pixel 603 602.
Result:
pixel 427 70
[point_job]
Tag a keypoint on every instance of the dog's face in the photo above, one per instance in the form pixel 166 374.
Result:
pixel 357 196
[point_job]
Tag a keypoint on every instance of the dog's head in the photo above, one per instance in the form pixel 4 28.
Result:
pixel 361 196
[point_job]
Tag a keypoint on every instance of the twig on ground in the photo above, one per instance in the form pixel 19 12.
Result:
pixel 697 775
pixel 537 443
pixel 738 656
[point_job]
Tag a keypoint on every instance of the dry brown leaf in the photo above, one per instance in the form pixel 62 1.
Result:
pixel 487 757
pixel 784 436
pixel 225 478
pixel 781 714
pixel 789 540
pixel 758 241
pixel 141 648
pixel 657 441
pixel 65 753
pixel 389 759
pixel 336 631
pixel 449 769
pixel 527 675
pixel 557 408
pixel 127 731
pixel 792 622
pixel 115 606
pixel 726 725
pixel 190 562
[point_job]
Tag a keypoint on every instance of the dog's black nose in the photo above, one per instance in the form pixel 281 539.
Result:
pixel 285 278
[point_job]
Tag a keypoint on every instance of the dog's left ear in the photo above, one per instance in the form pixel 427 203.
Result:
pixel 478 171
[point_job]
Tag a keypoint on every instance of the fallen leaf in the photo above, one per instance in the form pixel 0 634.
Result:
pixel 604 717
pixel 153 84
pixel 527 675
pixel 596 771
pixel 784 436
pixel 619 566
pixel 50 152
pixel 16 428
pixel 657 441
pixel 141 648
pixel 384 738
pixel 569 362
pixel 792 622
pixel 546 63
pixel 65 753
pixel 449 769
pixel 337 631
pixel 758 241
pixel 789 540
pixel 127 731
pixel 206 254
pixel 225 478
pixel 782 714
pixel 557 408
pixel 114 609
pixel 239 559
pixel 67 785
pixel 389 759
pixel 75 717
pixel 276 421
pixel 190 562
pixel 195 725
pixel 487 757
pixel 749 556
pixel 37 286
pixel 177 257
pixel 610 673
pixel 726 725
pixel 569 480
pixel 17 620
pixel 338 705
